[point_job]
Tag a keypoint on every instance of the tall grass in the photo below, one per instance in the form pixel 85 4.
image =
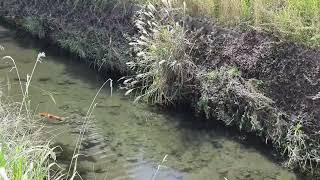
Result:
pixel 297 20
pixel 23 154
pixel 163 65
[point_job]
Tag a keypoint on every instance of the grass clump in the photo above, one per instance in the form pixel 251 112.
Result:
pixel 23 155
pixel 163 65
pixel 226 96
pixel 302 146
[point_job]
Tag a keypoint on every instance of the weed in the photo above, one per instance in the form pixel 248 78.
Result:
pixel 23 155
pixel 74 45
pixel 163 65
pixel 212 76
pixel 228 97
pixel 302 150
pixel 259 84
pixel 203 105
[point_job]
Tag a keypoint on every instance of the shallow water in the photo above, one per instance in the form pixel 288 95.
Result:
pixel 126 140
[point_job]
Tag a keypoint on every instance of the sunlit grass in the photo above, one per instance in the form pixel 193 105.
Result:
pixel 293 19
pixel 23 153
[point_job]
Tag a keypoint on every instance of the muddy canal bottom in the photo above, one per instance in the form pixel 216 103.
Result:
pixel 126 140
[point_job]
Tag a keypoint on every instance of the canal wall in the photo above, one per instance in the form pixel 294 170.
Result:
pixel 249 79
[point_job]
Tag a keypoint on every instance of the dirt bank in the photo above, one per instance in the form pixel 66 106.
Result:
pixel 262 84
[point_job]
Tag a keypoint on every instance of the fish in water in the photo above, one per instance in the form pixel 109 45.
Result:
pixel 50 116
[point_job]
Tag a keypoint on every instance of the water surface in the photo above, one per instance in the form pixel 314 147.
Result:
pixel 126 140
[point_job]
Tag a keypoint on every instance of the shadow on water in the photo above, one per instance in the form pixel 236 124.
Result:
pixel 129 141
pixel 55 53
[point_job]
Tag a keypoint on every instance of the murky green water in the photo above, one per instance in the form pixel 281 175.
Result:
pixel 126 140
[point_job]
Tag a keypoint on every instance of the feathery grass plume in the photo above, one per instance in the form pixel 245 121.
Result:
pixel 163 65
pixel 25 89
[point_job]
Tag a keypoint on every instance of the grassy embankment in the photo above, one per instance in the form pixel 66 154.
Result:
pixel 251 79
pixel 98 31
pixel 243 76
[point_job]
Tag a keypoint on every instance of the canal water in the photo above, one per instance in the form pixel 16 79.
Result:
pixel 126 140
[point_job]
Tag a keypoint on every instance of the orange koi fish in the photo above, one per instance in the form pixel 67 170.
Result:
pixel 50 116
